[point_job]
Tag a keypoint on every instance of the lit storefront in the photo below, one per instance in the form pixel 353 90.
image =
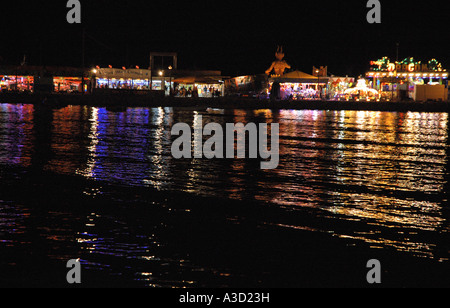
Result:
pixel 16 83
pixel 125 79
pixel 403 80
pixel 69 84
pixel 43 79
pixel 198 87
pixel 298 91
pixel 300 86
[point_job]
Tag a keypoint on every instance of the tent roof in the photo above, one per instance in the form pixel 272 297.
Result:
pixel 192 80
pixel 298 75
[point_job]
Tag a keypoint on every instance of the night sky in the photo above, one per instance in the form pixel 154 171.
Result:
pixel 236 37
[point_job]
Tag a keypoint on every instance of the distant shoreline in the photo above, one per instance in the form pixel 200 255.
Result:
pixel 118 100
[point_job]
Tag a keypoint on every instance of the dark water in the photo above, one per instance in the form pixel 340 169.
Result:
pixel 101 185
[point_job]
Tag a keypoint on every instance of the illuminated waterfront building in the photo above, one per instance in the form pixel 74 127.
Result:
pixel 409 79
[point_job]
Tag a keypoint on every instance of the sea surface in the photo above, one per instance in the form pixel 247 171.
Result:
pixel 100 185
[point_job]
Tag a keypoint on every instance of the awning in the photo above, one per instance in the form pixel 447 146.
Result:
pixel 299 77
pixel 337 80
pixel 198 80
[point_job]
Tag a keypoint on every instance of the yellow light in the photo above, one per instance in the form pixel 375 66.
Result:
pixel 160 73
pixel 94 71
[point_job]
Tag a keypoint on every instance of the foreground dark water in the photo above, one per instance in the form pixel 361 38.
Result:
pixel 101 185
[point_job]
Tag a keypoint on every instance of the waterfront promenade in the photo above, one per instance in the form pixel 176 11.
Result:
pixel 126 100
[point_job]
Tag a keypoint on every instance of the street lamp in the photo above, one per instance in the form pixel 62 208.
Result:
pixel 94 79
pixel 170 80
pixel 318 82
pixel 163 82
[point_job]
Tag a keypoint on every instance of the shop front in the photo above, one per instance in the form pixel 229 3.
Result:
pixel 400 80
pixel 125 79
pixel 43 79
pixel 300 86
pixel 198 87
pixel 16 83
pixel 69 84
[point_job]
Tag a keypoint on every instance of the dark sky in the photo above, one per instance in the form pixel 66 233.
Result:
pixel 236 37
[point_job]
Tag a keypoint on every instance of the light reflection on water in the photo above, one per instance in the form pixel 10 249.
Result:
pixel 376 177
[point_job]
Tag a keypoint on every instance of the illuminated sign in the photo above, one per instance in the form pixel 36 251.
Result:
pixel 408 65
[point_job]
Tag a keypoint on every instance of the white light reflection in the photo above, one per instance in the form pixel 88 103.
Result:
pixel 92 148
pixel 159 167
